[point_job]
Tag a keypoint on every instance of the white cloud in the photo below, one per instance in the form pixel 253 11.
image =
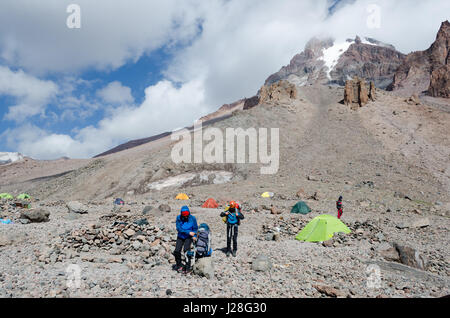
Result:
pixel 116 93
pixel 34 34
pixel 165 106
pixel 31 94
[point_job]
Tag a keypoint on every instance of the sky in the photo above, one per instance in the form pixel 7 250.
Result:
pixel 138 68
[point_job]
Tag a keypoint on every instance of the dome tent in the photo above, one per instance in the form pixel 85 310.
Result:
pixel 301 208
pixel 210 204
pixel 23 196
pixel 322 228
pixel 182 196
pixel 6 196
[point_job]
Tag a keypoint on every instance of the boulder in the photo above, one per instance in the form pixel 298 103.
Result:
pixel 204 267
pixel 390 254
pixel 36 216
pixel 164 208
pixel 301 193
pixel 147 210
pixel 77 207
pixel 329 291
pixel 274 210
pixel 261 263
pixel 411 257
pixel 4 240
pixel 422 222
pixel 418 223
pixel 129 232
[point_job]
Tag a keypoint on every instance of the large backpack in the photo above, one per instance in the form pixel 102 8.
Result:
pixel 203 244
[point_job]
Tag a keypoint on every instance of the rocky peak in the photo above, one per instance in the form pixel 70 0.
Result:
pixel 426 71
pixel 327 61
pixel 440 67
pixel 305 67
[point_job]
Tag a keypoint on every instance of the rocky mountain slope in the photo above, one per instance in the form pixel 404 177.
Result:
pixel 426 71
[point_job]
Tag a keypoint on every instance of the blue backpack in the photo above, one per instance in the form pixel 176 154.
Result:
pixel 203 243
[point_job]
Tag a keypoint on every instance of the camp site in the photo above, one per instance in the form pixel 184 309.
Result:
pixel 235 151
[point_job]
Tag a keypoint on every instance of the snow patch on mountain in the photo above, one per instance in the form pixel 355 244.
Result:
pixel 332 54
pixel 9 157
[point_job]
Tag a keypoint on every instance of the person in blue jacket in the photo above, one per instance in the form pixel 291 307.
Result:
pixel 187 228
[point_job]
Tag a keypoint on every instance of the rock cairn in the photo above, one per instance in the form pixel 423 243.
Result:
pixel 121 238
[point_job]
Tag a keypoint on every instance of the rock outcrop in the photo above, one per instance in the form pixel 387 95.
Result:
pixel 440 82
pixel 426 71
pixel 356 93
pixel 411 257
pixel 277 92
pixel 372 60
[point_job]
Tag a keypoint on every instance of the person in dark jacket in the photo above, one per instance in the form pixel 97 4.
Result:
pixel 339 207
pixel 187 228
pixel 234 217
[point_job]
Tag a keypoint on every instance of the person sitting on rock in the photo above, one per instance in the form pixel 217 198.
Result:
pixel 186 227
pixel 339 207
pixel 233 220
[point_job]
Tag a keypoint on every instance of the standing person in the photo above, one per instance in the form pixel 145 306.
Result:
pixel 339 207
pixel 187 228
pixel 233 220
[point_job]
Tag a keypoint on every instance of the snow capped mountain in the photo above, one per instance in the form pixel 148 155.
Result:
pixel 330 62
pixel 9 157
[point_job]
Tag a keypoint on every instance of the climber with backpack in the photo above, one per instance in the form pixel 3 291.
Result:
pixel 187 228
pixel 232 217
pixel 202 244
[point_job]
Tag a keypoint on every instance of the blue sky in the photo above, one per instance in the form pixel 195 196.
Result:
pixel 137 68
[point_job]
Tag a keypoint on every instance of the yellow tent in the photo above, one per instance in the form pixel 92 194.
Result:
pixel 182 196
pixel 267 194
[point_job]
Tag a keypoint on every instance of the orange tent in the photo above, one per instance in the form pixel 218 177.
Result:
pixel 210 204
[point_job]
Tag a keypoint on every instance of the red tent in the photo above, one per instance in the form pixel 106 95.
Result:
pixel 210 204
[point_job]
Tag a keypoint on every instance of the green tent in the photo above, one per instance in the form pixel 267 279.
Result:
pixel 300 207
pixel 23 196
pixel 6 196
pixel 322 228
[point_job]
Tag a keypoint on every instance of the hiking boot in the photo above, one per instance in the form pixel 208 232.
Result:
pixel 228 253
pixel 187 270
pixel 179 269
pixel 234 253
